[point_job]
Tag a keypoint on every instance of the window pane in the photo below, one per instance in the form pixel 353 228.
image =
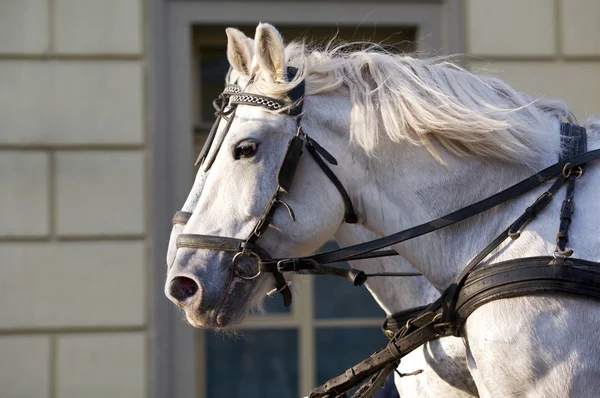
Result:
pixel 335 297
pixel 260 364
pixel 339 349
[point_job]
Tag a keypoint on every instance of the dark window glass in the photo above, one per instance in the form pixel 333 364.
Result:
pixel 260 364
pixel 336 297
pixel 339 349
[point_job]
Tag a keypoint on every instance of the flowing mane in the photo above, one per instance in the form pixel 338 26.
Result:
pixel 403 98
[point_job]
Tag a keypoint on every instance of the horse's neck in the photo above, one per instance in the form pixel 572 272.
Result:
pixel 403 191
pixel 391 293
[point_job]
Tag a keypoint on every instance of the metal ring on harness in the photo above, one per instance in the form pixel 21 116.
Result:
pixel 235 269
pixel 568 170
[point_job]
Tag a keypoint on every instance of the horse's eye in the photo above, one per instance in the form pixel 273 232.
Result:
pixel 245 150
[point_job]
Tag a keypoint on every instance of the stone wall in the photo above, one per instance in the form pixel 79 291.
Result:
pixel 546 48
pixel 74 266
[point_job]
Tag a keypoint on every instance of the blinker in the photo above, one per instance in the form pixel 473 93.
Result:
pixel 290 162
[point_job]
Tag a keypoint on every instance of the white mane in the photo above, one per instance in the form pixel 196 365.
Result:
pixel 406 99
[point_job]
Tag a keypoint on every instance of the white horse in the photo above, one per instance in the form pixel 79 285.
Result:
pixel 442 362
pixel 414 139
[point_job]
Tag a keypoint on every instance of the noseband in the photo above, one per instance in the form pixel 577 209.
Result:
pixel 233 96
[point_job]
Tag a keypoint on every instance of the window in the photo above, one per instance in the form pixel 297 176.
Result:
pixel 331 324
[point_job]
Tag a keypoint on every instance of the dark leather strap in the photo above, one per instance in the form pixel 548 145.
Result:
pixel 450 295
pixel 289 165
pixel 208 162
pixel 218 243
pixel 374 254
pixel 349 215
pixel 181 217
pixel 573 140
pixel 449 219
pixel 283 288
pixel 208 142
pixel 370 389
pixel 532 211
pixel 296 95
pixel 397 320
pixel 424 330
pixel 525 276
pixel 566 214
pixel 233 245
pixel 219 104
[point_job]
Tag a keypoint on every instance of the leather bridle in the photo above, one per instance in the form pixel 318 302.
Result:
pixel 233 97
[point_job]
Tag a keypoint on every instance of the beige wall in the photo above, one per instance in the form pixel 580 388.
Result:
pixel 546 48
pixel 74 272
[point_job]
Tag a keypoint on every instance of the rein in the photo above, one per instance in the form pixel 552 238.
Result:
pixel 350 252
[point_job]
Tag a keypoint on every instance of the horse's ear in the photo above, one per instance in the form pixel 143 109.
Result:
pixel 239 50
pixel 270 52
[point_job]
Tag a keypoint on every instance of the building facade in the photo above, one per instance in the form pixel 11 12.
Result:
pixel 101 103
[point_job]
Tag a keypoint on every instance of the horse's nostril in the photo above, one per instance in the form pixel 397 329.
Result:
pixel 183 288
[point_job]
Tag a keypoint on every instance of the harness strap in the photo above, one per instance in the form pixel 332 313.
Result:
pixel 566 212
pixel 418 332
pixel 209 242
pixel 573 141
pixel 210 138
pixel 355 276
pixel 450 295
pixel 578 142
pixel 370 389
pixel 525 276
pixel 532 211
pixel 397 320
pixel 208 162
pixel 343 254
pixel 283 287
pixel 181 217
pixel 349 215
pixel 295 95
pixel 219 104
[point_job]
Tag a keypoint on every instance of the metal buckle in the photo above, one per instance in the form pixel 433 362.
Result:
pixel 548 193
pixel 282 265
pixel 560 255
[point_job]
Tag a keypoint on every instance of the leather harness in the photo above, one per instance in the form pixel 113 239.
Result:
pixel 475 285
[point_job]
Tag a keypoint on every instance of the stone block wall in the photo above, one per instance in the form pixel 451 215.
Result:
pixel 74 230
pixel 546 48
